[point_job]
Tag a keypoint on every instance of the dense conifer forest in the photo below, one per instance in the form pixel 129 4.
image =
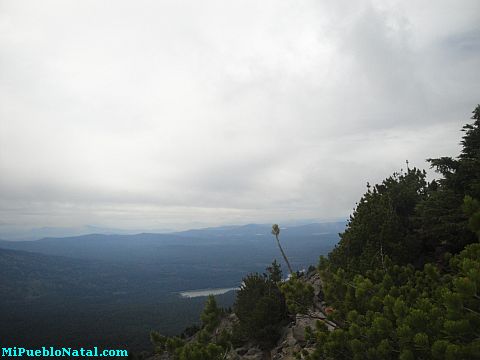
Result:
pixel 402 283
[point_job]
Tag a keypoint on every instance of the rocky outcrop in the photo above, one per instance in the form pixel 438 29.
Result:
pixel 292 340
pixel 226 324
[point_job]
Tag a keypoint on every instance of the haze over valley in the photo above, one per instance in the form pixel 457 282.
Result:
pixel 114 289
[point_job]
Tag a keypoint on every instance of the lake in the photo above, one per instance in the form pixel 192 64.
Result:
pixel 205 292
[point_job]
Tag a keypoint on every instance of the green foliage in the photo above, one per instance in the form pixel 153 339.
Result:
pixel 164 343
pixel 275 272
pixel 411 221
pixel 389 301
pixel 298 294
pixel 211 314
pixel 204 346
pixel 442 223
pixel 224 339
pixel 382 225
pixel 190 331
pixel 181 350
pixel 260 308
pixel 238 336
pixel 471 207
pixel 398 311
pixel 198 351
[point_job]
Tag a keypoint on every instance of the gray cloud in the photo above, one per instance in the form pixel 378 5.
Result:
pixel 181 113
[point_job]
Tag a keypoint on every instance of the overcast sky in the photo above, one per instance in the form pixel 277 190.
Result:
pixel 178 114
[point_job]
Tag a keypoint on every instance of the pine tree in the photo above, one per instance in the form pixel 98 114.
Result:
pixel 274 272
pixel 211 314
pixel 443 225
pixel 382 224
pixel 298 295
pixel 394 310
pixel 276 233
pixel 261 309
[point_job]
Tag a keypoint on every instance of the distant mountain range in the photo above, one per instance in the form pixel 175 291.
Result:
pixel 15 233
pixel 250 230
pixel 202 244
pixel 64 285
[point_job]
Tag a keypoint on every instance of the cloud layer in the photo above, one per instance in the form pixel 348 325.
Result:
pixel 181 113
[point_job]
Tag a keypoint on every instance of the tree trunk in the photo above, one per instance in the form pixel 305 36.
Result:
pixel 284 256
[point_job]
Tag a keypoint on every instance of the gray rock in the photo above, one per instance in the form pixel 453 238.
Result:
pixel 301 323
pixel 317 288
pixel 276 353
pixel 287 340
